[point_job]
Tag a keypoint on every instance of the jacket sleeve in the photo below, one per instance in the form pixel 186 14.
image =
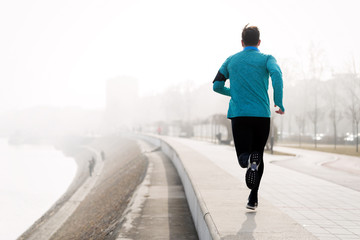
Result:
pixel 219 85
pixel 221 77
pixel 277 81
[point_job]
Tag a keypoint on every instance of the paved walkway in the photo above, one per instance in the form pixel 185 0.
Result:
pixel 340 169
pixel 292 205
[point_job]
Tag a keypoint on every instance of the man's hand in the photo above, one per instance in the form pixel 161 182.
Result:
pixel 279 111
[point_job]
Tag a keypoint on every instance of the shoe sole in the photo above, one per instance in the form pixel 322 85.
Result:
pixel 252 174
pixel 251 207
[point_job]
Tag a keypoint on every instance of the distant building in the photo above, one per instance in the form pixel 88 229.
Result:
pixel 121 103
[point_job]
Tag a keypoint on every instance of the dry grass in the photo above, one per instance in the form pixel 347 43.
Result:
pixel 340 149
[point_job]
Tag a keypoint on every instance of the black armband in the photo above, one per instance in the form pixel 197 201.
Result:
pixel 219 77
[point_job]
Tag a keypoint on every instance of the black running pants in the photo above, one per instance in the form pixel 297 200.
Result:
pixel 250 135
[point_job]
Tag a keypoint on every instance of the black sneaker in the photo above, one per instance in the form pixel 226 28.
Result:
pixel 243 160
pixel 252 200
pixel 252 174
pixel 251 206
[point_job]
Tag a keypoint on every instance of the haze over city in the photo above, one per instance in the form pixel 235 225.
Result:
pixel 61 53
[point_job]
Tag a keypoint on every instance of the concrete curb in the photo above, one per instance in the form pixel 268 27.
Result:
pixel 203 221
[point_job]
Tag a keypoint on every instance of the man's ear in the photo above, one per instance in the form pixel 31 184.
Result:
pixel 259 42
pixel 242 43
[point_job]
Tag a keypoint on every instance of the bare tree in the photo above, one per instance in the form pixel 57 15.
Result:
pixel 313 114
pixel 354 108
pixel 316 67
pixel 300 122
pixel 352 84
pixel 355 113
pixel 333 99
pixel 335 118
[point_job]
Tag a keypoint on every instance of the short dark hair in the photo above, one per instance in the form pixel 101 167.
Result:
pixel 250 35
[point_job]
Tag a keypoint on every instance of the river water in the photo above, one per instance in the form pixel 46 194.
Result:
pixel 32 178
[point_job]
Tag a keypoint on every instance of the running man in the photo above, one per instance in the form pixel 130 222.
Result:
pixel 249 107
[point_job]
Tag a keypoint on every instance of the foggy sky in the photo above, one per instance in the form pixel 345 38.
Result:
pixel 61 53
